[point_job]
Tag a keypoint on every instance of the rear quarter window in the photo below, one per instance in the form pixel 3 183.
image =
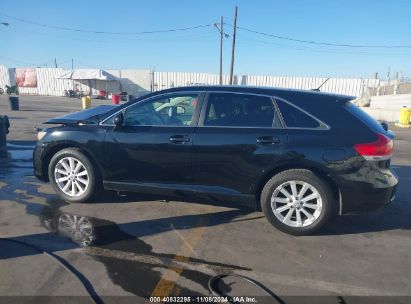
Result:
pixel 241 110
pixel 364 117
pixel 295 118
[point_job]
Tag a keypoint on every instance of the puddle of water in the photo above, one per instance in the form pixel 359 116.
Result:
pixel 130 262
pixel 21 155
pixel 16 173
pixel 26 147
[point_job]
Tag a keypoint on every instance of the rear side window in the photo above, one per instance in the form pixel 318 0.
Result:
pixel 240 110
pixel 365 118
pixel 295 118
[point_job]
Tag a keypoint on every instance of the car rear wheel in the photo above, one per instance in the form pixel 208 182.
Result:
pixel 297 202
pixel 73 176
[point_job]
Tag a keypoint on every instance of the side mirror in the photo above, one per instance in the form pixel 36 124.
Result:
pixel 384 125
pixel 118 120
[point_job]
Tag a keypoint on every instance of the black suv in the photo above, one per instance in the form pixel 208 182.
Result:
pixel 300 156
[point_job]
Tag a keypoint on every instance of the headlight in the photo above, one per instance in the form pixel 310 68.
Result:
pixel 40 135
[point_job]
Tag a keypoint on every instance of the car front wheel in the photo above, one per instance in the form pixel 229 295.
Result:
pixel 297 202
pixel 73 176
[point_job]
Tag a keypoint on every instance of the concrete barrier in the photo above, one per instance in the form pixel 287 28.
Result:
pixel 391 101
pixel 389 115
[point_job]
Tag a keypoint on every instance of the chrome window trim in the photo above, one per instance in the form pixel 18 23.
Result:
pixel 239 93
pixel 101 123
pixel 322 125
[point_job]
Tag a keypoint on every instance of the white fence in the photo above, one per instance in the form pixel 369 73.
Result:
pixel 4 77
pixel 139 82
pixel 348 86
pixel 135 82
pixel 166 80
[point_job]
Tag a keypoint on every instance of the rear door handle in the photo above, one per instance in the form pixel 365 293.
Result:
pixel 179 139
pixel 268 140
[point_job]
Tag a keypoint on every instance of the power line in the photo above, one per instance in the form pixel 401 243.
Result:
pixel 105 32
pixel 19 61
pixel 375 52
pixel 321 43
pixel 44 64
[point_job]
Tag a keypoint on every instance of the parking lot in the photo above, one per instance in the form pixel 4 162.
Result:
pixel 147 246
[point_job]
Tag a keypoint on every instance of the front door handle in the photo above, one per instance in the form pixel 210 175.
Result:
pixel 268 140
pixel 179 139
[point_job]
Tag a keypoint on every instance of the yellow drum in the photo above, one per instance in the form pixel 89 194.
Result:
pixel 86 102
pixel 405 116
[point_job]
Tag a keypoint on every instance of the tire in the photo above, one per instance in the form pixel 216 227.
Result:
pixel 86 180
pixel 297 215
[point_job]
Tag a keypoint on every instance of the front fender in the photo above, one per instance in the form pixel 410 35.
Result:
pixel 89 139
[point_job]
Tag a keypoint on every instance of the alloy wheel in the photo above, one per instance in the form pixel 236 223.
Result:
pixel 71 176
pixel 296 203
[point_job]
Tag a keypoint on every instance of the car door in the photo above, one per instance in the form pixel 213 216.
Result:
pixel 153 148
pixel 238 138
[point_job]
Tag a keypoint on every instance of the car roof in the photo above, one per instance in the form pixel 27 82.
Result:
pixel 254 90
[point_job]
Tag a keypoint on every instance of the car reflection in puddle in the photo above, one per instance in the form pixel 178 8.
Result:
pixel 131 262
pixel 75 227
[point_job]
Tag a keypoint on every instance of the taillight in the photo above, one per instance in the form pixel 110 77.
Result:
pixel 380 149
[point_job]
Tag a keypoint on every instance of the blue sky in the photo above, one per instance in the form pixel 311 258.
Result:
pixel 365 22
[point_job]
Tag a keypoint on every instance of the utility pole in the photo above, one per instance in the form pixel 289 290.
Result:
pixel 222 35
pixel 55 62
pixel 221 50
pixel 72 64
pixel 233 48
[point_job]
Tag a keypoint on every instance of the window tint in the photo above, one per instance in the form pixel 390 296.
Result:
pixel 295 118
pixel 227 109
pixel 364 117
pixel 176 110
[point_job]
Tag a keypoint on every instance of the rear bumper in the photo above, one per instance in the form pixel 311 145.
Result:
pixel 368 192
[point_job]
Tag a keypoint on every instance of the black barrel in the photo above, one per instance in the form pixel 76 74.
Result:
pixel 14 103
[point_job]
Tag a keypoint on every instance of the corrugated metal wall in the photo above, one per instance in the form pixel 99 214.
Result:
pixel 348 86
pixel 48 84
pixel 138 82
pixel 166 80
pixel 4 77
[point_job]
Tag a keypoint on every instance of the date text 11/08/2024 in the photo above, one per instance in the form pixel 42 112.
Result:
pixel 203 299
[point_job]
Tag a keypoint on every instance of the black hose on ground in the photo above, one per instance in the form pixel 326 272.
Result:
pixel 212 286
pixel 66 265
pixel 212 283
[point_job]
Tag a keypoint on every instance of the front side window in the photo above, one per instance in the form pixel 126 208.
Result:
pixel 240 110
pixel 295 118
pixel 175 110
